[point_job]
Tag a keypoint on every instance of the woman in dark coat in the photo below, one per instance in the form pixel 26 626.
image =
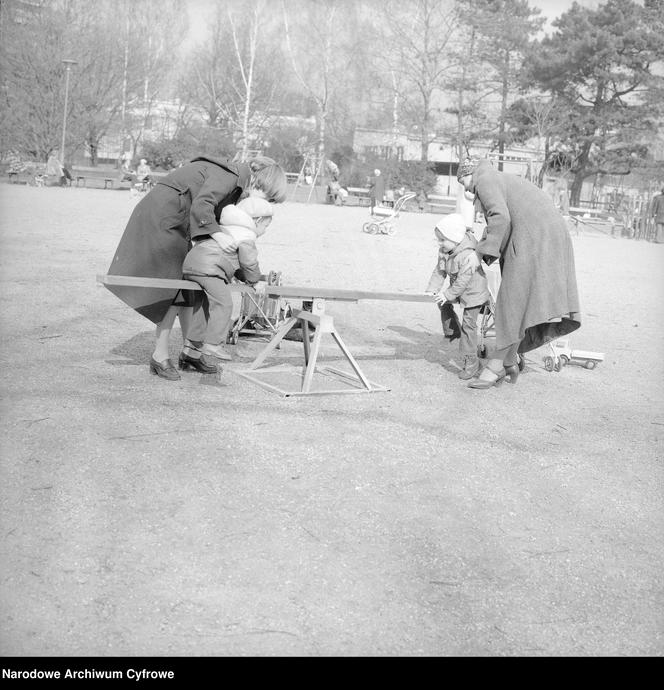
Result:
pixel 538 299
pixel 184 205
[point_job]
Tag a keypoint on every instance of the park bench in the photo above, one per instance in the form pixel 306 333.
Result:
pixel 79 178
pixel 594 218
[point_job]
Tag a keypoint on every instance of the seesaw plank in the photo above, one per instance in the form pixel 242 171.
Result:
pixel 342 294
pixel 271 290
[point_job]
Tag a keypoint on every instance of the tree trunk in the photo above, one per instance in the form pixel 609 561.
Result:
pixel 503 110
pixel 580 175
pixel 425 131
pixel 545 162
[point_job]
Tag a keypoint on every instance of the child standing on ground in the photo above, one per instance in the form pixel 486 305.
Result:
pixel 467 288
pixel 213 267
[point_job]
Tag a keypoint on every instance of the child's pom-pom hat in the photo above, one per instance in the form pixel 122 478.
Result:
pixel 451 227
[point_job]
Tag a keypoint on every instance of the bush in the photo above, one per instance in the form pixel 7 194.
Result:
pixel 169 153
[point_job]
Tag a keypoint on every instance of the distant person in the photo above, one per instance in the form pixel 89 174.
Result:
pixel 143 173
pixel 376 189
pixel 332 170
pixel 657 212
pixel 538 300
pixel 336 193
pixel 184 204
pixel 467 287
pixel 214 265
pixel 55 168
pixel 125 161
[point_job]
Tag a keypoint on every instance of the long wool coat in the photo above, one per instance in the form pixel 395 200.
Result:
pixel 186 203
pixel 538 299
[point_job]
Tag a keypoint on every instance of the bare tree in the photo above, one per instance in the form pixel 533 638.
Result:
pixel 235 73
pixel 416 51
pixel 315 45
pixel 39 35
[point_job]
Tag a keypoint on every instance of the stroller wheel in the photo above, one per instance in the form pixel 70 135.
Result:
pixel 374 228
pixel 389 230
pixel 365 227
pixel 548 363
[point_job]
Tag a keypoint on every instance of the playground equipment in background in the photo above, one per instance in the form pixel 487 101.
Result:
pixel 383 218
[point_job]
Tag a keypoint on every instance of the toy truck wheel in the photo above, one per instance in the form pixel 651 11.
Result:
pixel 590 364
pixel 548 363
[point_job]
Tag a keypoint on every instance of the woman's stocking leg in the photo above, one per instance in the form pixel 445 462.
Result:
pixel 163 334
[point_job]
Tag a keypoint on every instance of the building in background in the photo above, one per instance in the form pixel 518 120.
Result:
pixel 402 146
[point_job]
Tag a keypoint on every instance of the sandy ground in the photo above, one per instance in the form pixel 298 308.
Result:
pixel 145 517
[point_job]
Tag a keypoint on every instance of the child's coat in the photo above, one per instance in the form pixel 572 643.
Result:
pixel 469 288
pixel 207 258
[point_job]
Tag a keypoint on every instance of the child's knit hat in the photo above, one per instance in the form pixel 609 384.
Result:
pixel 256 206
pixel 451 227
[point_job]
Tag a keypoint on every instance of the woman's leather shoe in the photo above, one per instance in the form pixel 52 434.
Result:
pixel 202 364
pixel 512 371
pixel 486 382
pixel 164 369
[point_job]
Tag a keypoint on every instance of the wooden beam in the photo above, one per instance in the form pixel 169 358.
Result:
pixel 341 294
pixel 305 293
pixel 166 283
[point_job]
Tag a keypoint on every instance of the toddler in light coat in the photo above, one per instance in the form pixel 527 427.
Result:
pixel 466 287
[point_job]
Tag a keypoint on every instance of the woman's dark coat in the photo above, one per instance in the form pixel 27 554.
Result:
pixel 538 299
pixel 186 203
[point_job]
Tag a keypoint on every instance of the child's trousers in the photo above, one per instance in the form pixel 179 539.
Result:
pixel 213 308
pixel 466 331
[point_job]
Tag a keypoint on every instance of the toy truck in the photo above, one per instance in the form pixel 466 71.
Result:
pixel 562 355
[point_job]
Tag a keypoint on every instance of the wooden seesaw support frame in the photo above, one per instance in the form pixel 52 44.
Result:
pixel 317 317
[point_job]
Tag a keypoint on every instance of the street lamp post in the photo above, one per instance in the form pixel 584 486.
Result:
pixel 68 64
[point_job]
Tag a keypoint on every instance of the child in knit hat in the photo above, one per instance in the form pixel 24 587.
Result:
pixel 213 262
pixel 467 288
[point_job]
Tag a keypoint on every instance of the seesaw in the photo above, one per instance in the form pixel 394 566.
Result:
pixel 316 316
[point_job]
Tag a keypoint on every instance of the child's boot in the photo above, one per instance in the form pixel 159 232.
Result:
pixel 471 367
pixel 218 351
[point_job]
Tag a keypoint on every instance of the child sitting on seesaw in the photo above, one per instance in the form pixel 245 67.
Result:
pixel 213 263
pixel 467 288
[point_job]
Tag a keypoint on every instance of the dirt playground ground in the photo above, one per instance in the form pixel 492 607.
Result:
pixel 205 518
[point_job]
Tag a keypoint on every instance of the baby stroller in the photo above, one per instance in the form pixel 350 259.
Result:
pixel 382 218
